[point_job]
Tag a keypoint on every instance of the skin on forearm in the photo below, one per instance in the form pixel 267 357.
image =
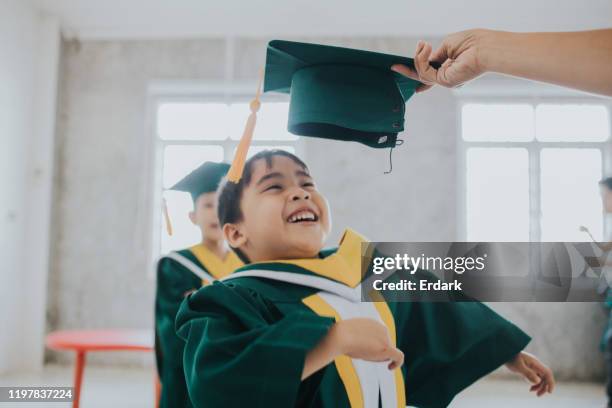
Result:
pixel 580 60
pixel 324 353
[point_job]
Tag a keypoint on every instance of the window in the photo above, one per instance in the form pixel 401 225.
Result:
pixel 531 170
pixel 190 131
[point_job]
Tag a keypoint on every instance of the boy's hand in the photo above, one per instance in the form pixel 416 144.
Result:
pixel 532 369
pixel 367 339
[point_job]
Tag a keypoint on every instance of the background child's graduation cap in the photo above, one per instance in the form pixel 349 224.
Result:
pixel 340 93
pixel 204 179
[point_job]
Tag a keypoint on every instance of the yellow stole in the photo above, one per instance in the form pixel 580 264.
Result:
pixel 344 266
pixel 216 266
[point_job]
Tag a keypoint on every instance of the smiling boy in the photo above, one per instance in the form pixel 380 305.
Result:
pixel 290 329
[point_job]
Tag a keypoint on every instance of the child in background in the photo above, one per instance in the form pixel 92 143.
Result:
pixel 182 272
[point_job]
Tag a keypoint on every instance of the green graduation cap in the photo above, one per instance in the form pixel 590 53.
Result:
pixel 340 93
pixel 202 180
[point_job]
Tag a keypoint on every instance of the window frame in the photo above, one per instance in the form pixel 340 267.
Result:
pixel 533 147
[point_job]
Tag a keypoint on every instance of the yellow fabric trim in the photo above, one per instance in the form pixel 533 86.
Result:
pixel 400 388
pixel 387 317
pixel 343 363
pixel 217 267
pixel 343 266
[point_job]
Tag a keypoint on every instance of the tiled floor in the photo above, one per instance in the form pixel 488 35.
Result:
pixel 133 387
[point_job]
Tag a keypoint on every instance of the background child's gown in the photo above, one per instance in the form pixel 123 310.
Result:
pixel 174 280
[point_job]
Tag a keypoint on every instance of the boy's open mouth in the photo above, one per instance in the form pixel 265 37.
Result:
pixel 302 215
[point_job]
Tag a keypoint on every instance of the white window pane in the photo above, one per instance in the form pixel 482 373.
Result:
pixel 570 194
pixel 497 122
pixel 192 121
pixel 256 149
pixel 271 121
pixel 497 194
pixel 572 123
pixel 181 160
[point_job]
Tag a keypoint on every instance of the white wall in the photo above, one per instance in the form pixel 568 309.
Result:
pixel 29 45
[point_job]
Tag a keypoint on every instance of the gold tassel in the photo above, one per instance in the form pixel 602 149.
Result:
pixel 166 217
pixel 235 172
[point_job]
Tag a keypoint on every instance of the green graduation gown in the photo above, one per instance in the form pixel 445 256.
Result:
pixel 178 273
pixel 247 337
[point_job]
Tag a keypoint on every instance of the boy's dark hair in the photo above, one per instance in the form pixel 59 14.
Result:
pixel 230 194
pixel 606 182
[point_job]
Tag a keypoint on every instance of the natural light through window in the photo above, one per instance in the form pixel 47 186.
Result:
pixel 532 170
pixel 498 199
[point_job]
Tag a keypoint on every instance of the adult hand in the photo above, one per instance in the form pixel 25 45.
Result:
pixel 458 55
pixel 579 60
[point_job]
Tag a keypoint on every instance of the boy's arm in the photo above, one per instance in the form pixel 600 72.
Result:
pixel 360 338
pixel 239 351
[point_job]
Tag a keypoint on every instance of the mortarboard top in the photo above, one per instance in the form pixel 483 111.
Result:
pixel 204 179
pixel 340 93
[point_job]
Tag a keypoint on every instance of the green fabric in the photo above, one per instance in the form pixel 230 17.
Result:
pixel 247 340
pixel 173 281
pixel 204 179
pixel 340 93
pixel 449 345
pixel 242 351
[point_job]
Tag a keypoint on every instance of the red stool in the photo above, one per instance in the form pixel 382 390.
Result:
pixel 83 341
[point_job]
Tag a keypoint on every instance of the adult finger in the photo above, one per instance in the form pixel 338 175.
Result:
pixel 445 73
pixel 422 88
pixel 426 72
pixel 412 74
pixel 405 71
pixel 440 54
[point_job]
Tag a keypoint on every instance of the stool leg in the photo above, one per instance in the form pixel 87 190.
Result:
pixel 157 390
pixel 78 377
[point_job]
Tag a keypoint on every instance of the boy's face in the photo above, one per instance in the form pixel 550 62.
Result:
pixel 204 216
pixel 284 216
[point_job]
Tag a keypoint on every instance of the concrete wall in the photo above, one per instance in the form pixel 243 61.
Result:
pixel 99 276
pixel 29 53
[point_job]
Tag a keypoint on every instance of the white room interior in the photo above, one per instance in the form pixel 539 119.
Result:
pixel 88 134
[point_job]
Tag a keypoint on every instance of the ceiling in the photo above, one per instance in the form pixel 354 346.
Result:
pixel 132 19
